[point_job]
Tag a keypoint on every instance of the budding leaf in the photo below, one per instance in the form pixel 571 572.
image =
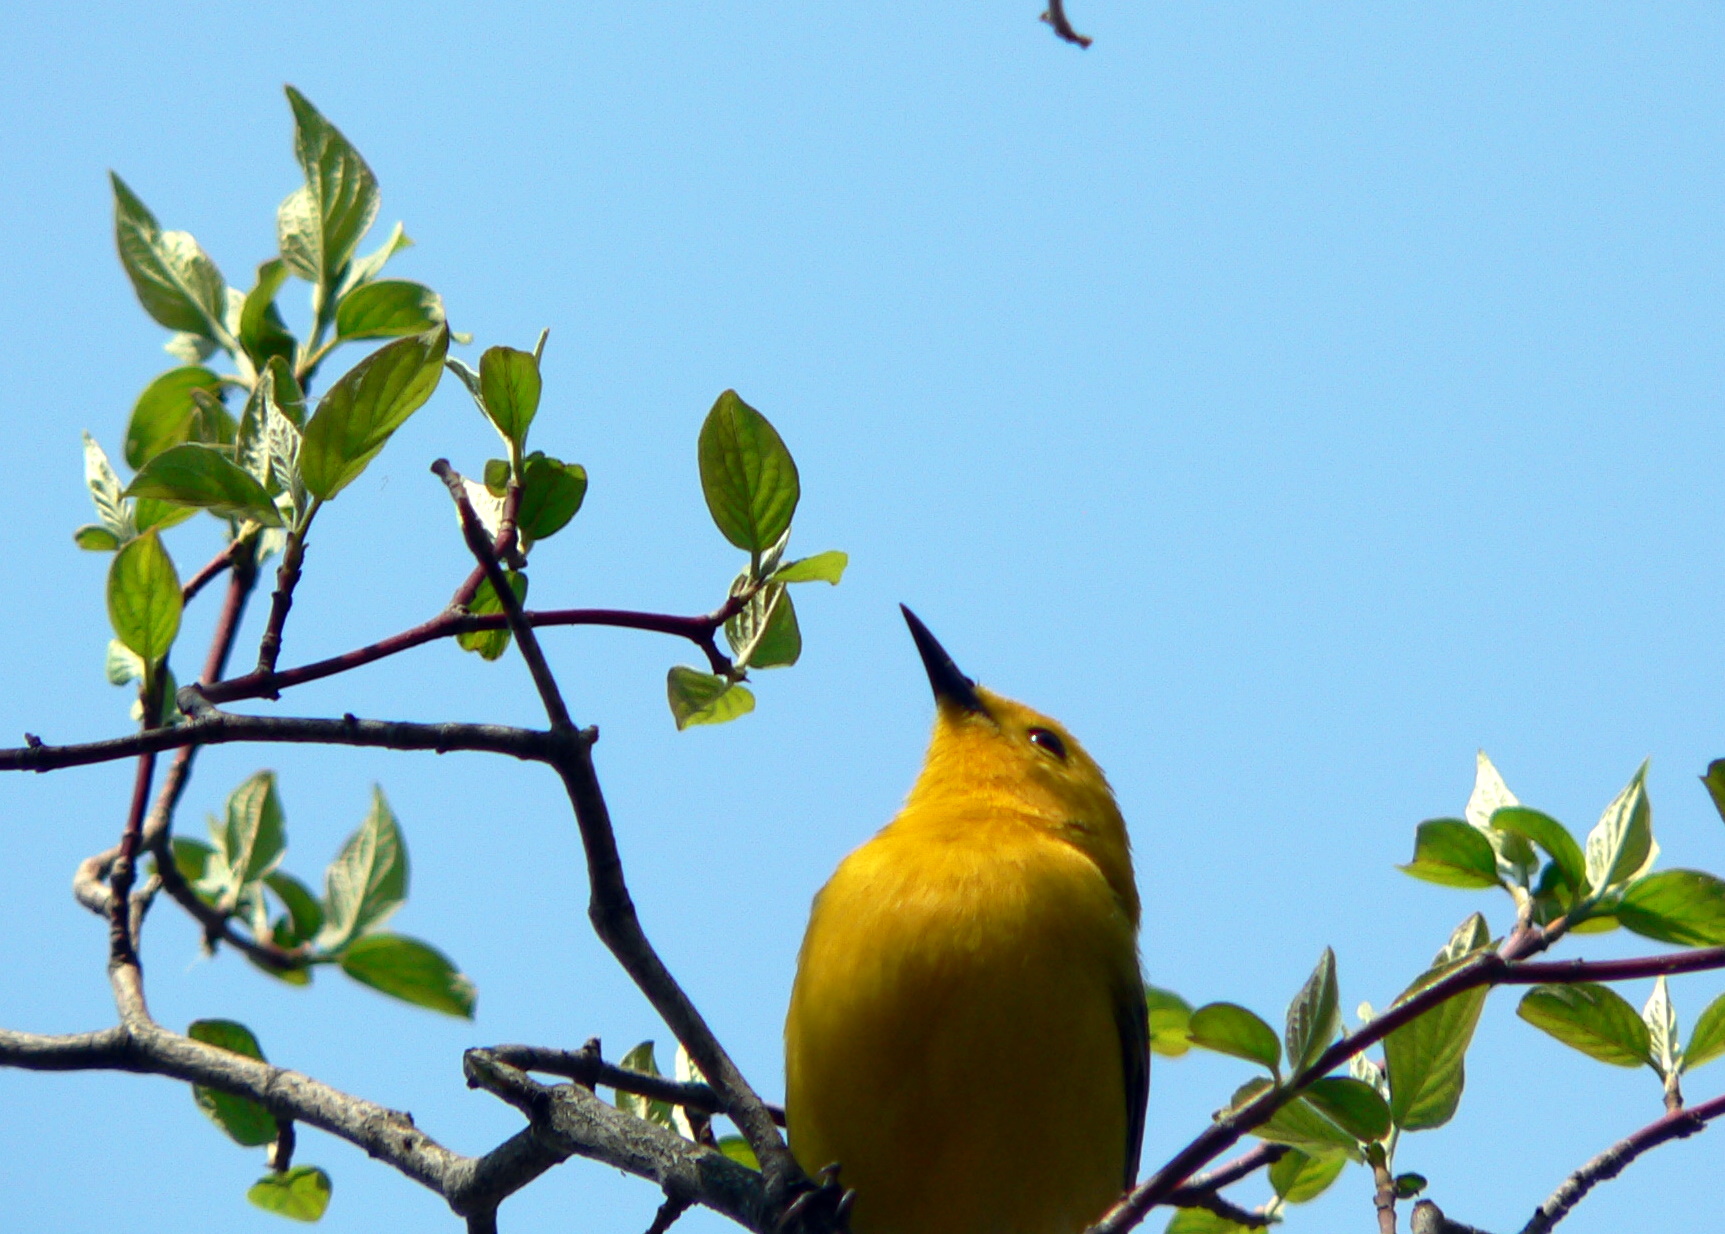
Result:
pixel 827 567
pixel 322 221
pixel 176 281
pixel 1314 1018
pixel 1621 843
pixel 254 836
pixel 367 881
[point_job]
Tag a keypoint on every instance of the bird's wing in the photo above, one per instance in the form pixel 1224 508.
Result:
pixel 1133 1018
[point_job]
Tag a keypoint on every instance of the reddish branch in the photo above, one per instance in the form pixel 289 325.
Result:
pixel 1056 17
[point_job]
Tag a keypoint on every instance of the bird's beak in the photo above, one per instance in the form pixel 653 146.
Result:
pixel 950 685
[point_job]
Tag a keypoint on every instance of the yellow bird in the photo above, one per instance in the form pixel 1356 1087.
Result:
pixel 967 1036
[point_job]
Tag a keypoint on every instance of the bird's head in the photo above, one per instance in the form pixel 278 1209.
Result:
pixel 1002 757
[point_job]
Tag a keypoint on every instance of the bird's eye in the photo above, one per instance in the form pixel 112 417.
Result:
pixel 1048 741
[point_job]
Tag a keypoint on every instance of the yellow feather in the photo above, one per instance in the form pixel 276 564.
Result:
pixel 966 1036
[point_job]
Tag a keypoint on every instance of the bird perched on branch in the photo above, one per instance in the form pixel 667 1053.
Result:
pixel 967 1037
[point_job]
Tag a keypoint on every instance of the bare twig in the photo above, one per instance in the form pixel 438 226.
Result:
pixel 1056 17
pixel 287 578
pixel 1675 1125
pixel 587 1068
pixel 610 907
pixel 1383 1192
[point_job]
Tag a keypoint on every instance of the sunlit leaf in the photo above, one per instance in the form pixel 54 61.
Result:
pixel 1591 1018
pixel 245 1121
pixel 747 475
pixel 410 970
pixel 301 1193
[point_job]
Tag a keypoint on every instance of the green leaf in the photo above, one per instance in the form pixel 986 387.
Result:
pixel 1452 853
pixel 1409 1185
pixel 410 970
pixel 390 308
pixel 1299 1177
pixel 368 879
pixel 1714 781
pixel 1591 1018
pixel 95 539
pixel 1203 1221
pixel 144 597
pixel 322 222
pixel 1621 843
pixel 204 478
pixel 1170 1015
pixel 1550 835
pixel 1301 1124
pixel 1707 1042
pixel 285 393
pixel 552 493
pixel 747 475
pixel 640 1059
pixel 1686 907
pixel 191 857
pixel 177 283
pixel 1425 1059
pixel 162 416
pixel 355 418
pixel 703 698
pixel 363 269
pixel 114 510
pixel 827 567
pixel 509 388
pixel 1228 1028
pixel 301 1193
pixel 490 644
pixel 254 836
pixel 765 633
pixel 305 914
pixel 1661 1020
pixel 496 476
pixel 737 1149
pixel 262 332
pixel 1314 1019
pixel 246 1121
pixel 1353 1105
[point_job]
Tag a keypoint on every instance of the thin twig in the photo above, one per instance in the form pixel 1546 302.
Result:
pixel 1056 17
pixel 1383 1192
pixel 1609 1164
pixel 610 907
pixel 588 1069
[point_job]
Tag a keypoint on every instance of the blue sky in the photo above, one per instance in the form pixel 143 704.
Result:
pixel 1292 399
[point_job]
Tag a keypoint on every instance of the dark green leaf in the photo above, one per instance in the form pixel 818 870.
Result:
pixel 1170 1015
pixel 1304 1126
pixel 1686 907
pixel 509 386
pixel 1622 841
pixel 305 914
pixel 162 416
pixel 1714 781
pixel 262 332
pixel 95 539
pixel 301 1193
pixel 1229 1028
pixel 827 567
pixel 368 879
pixel 640 1059
pixel 1707 1041
pixel 703 698
pixel 1591 1018
pixel 747 475
pixel 1409 1185
pixel 410 970
pixel 1299 1177
pixel 1353 1105
pixel 254 836
pixel 1453 853
pixel 1550 835
pixel 337 204
pixel 1314 1019
pixel 553 492
pixel 497 473
pixel 390 308
pixel 144 597
pixel 246 1121
pixel 737 1149
pixel 368 403
pixel 206 479
pixel 176 281
pixel 765 633
pixel 285 393
pixel 490 644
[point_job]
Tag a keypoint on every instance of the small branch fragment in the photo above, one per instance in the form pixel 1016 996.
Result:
pixel 1056 17
pixel 1428 1218
pixel 669 1211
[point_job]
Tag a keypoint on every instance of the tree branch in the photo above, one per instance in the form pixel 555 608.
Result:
pixel 1056 17
pixel 589 1069
pixel 610 907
